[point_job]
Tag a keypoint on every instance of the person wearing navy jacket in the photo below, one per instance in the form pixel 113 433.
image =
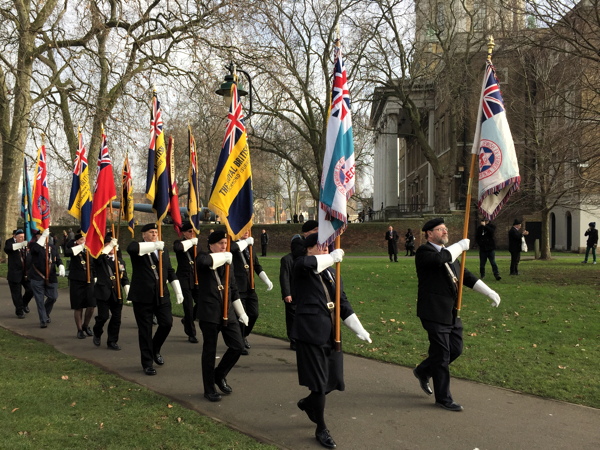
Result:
pixel 320 366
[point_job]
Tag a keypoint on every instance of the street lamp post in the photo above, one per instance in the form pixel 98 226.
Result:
pixel 225 88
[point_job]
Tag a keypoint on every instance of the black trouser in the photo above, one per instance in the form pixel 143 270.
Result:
pixel 233 340
pixel 112 307
pixel 484 256
pixel 250 302
pixel 515 257
pixel 190 300
pixel 264 249
pixel 150 345
pixel 290 316
pixel 445 345
pixel 19 299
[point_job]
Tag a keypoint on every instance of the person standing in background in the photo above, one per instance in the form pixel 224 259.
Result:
pixel 592 242
pixel 484 236
pixel 515 236
pixel 391 236
pixel 409 243
pixel 264 241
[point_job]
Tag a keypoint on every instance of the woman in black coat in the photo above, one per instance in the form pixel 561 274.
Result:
pixel 320 366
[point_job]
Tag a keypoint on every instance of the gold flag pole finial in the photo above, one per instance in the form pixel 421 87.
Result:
pixel 490 45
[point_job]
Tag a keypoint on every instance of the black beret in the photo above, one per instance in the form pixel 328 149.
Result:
pixel 516 222
pixel 311 240
pixel 216 236
pixel 78 236
pixel 431 224
pixel 591 224
pixel 186 226
pixel 309 225
pixel 20 231
pixel 149 226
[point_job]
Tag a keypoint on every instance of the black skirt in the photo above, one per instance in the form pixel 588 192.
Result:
pixel 81 294
pixel 320 367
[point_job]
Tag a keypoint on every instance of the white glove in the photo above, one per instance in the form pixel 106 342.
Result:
pixel 108 247
pixel 323 262
pixel 338 255
pixel 159 245
pixel 95 280
pixel 187 244
pixel 177 288
pixel 354 324
pixel 19 245
pixel 250 240
pixel 242 244
pixel 126 290
pixel 456 249
pixel 42 239
pixel 194 241
pixel 77 249
pixel 146 248
pixel 46 232
pixel 221 258
pixel 61 271
pixel 239 311
pixel 484 289
pixel 263 276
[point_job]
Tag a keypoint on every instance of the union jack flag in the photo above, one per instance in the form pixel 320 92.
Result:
pixel 157 183
pixel 80 200
pixel 492 103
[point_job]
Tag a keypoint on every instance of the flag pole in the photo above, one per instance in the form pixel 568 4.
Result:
pixel 160 258
pixel 46 246
pixel 226 286
pixel 338 294
pixel 465 234
pixel 251 264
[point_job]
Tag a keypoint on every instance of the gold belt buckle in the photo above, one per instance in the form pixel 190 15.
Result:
pixel 191 263
pixel 153 267
pixel 246 266
pixel 113 278
pixel 83 262
pixel 330 306
pixel 220 287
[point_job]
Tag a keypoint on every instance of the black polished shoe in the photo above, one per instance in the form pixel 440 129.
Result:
pixel 43 325
pixel 423 382
pixel 212 396
pixel 498 277
pixel 113 345
pixel 20 316
pixel 88 331
pixel 26 309
pixel 223 386
pixel 96 340
pixel 246 343
pixel 158 359
pixel 80 334
pixel 325 439
pixel 193 339
pixel 48 320
pixel 149 370
pixel 450 406
pixel 304 407
pixel 245 351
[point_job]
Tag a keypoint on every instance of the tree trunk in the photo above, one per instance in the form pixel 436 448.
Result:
pixel 545 253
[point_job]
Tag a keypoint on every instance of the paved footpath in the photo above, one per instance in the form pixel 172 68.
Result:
pixel 382 407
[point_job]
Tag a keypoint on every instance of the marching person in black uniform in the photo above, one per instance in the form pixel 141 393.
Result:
pixel 81 285
pixel 484 236
pixel 144 293
pixel 297 246
pixel 16 249
pixel 186 273
pixel 320 366
pixel 391 236
pixel 241 268
pixel 109 273
pixel 44 254
pixel 211 275
pixel 437 269
pixel 515 239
